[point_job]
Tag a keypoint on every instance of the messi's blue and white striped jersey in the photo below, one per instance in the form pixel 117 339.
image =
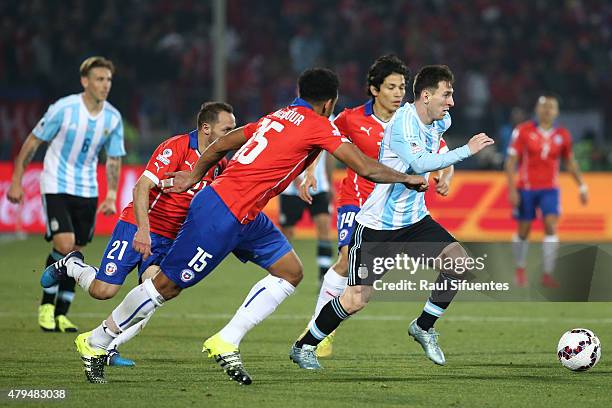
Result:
pixel 411 147
pixel 75 138
pixel 320 175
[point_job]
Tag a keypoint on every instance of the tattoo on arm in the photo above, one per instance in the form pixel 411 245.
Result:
pixel 113 168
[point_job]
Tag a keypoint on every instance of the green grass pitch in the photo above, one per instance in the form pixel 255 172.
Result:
pixel 499 354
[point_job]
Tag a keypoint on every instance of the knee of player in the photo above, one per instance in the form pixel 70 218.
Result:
pixel 64 247
pixel 341 266
pixel 150 272
pixel 295 274
pixel 453 260
pixel 102 291
pixel 166 288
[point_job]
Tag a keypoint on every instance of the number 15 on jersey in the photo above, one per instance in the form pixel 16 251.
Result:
pixel 258 142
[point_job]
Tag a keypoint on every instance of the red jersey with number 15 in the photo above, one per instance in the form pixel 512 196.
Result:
pixel 280 146
pixel 167 211
pixel 538 152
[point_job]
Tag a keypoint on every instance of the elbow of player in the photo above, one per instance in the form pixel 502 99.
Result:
pixel 417 167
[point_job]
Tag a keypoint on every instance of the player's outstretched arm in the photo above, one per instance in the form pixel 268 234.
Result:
pixel 372 170
pixel 29 147
pixel 178 182
pixel 142 238
pixel 421 161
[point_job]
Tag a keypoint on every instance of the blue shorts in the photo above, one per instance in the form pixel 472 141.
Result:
pixel 346 224
pixel 120 257
pixel 546 200
pixel 211 232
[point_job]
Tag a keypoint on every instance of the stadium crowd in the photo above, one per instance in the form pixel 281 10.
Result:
pixel 502 52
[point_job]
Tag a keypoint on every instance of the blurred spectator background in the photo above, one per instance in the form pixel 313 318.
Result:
pixel 503 53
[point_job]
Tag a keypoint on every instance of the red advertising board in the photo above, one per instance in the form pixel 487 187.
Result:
pixel 476 209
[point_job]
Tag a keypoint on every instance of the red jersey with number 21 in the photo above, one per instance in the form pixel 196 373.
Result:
pixel 280 146
pixel 167 211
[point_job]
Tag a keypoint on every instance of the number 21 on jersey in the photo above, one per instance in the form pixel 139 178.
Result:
pixel 249 152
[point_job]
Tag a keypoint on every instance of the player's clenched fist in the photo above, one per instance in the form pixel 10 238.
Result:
pixel 417 183
pixel 142 243
pixel 15 194
pixel 479 142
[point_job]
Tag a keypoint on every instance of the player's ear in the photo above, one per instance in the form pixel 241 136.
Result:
pixel 84 82
pixel 374 91
pixel 328 107
pixel 206 128
pixel 426 96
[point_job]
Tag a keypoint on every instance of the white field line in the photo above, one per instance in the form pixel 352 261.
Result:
pixel 450 317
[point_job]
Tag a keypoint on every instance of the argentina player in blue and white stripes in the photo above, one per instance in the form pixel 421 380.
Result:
pixel 76 128
pixel 393 214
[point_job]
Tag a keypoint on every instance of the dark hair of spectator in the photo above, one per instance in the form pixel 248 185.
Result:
pixel 382 68
pixel 209 112
pixel 96 62
pixel 429 77
pixel 318 85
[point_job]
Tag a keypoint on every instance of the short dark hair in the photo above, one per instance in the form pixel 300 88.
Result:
pixel 382 68
pixel 551 95
pixel 96 62
pixel 429 77
pixel 318 85
pixel 209 112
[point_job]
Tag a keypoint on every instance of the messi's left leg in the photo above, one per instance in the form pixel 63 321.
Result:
pixel 434 241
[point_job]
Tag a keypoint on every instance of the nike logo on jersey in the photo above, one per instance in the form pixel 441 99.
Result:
pixel 366 130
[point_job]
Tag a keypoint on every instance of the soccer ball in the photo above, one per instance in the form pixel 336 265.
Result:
pixel 579 349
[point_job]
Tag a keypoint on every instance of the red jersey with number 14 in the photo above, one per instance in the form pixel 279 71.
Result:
pixel 280 146
pixel 167 211
pixel 538 152
pixel 366 131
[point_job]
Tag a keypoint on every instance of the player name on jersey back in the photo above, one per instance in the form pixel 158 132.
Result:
pixel 279 147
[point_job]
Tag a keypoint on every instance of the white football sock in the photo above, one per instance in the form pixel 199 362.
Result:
pixel 137 305
pixel 82 273
pixel 333 285
pixel 101 336
pixel 261 301
pixel 520 248
pixel 128 334
pixel 550 247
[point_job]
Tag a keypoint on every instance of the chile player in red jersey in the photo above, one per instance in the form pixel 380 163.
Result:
pixel 148 226
pixel 365 127
pixel 537 147
pixel 226 218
